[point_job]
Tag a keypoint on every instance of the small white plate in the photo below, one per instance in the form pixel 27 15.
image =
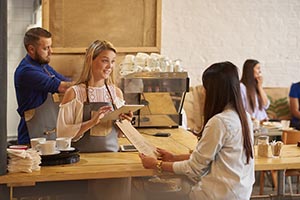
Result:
pixel 288 129
pixel 68 149
pixel 54 153
pixel 272 124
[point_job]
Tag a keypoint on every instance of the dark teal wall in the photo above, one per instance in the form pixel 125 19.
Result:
pixel 3 84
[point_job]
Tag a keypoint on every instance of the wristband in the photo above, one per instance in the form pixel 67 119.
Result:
pixel 159 166
pixel 132 121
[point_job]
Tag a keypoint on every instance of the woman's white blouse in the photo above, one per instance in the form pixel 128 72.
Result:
pixel 257 113
pixel 218 164
pixel 70 114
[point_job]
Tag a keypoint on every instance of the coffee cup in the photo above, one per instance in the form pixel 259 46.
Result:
pixel 35 141
pixel 126 66
pixel 141 59
pixel 63 143
pixel 47 147
pixel 129 59
pixel 285 124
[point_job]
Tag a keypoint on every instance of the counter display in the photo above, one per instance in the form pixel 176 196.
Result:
pixel 120 165
pixel 110 165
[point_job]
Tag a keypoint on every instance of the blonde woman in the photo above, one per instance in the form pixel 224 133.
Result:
pixel 87 102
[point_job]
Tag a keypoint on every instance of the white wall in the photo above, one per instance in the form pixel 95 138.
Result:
pixel 200 32
pixel 19 17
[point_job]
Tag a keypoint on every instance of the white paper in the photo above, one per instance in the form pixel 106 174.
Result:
pixel 114 115
pixel 140 143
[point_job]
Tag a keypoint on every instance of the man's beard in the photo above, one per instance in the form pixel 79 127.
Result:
pixel 40 60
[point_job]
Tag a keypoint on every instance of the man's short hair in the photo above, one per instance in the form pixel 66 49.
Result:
pixel 33 35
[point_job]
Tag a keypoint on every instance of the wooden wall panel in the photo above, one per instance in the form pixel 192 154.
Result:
pixel 131 25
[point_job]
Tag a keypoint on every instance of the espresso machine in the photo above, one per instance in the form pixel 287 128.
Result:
pixel 161 93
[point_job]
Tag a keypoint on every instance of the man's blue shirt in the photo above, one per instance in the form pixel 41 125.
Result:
pixel 295 93
pixel 33 82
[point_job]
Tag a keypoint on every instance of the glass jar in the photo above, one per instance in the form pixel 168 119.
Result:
pixel 263 145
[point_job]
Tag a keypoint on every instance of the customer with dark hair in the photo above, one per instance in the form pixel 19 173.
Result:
pixel 222 164
pixel 35 78
pixel 254 97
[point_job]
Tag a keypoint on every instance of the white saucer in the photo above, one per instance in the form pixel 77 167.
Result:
pixel 54 153
pixel 288 129
pixel 68 149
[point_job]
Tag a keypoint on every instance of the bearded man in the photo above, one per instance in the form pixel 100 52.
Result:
pixel 34 78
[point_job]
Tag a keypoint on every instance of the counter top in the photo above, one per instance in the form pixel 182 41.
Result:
pixel 128 164
pixel 106 165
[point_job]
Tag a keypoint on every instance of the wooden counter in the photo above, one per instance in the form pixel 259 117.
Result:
pixel 120 164
pixel 106 165
pixel 125 164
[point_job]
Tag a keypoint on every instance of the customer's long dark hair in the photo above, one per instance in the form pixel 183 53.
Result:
pixel 250 82
pixel 222 85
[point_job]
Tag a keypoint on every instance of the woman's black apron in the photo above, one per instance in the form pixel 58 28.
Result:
pixel 101 138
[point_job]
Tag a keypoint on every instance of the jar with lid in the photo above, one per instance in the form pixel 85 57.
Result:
pixel 263 145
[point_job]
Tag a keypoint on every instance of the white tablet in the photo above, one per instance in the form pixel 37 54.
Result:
pixel 114 115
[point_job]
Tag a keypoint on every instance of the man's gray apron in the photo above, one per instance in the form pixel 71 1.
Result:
pixel 105 139
pixel 41 121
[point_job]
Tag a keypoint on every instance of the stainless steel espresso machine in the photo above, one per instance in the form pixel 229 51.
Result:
pixel 162 93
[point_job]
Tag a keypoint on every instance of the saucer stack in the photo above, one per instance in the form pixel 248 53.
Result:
pixel 23 160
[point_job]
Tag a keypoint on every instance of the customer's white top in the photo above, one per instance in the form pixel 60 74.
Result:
pixel 218 164
pixel 257 113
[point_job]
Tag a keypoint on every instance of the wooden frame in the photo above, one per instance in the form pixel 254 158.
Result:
pixel 58 14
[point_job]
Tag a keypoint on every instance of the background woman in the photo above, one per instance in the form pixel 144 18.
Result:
pixel 221 165
pixel 255 99
pixel 86 103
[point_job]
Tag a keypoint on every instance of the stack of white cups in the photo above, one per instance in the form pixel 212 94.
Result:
pixel 154 62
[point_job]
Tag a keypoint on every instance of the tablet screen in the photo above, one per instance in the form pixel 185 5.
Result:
pixel 114 115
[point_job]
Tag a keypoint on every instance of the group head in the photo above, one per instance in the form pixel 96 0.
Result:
pixel 99 62
pixel 37 42
pixel 222 86
pixel 251 71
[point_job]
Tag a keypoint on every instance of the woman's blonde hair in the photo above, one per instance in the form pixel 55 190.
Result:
pixel 91 54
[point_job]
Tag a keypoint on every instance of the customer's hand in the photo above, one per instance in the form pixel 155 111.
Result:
pixel 147 161
pixel 165 155
pixel 260 80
